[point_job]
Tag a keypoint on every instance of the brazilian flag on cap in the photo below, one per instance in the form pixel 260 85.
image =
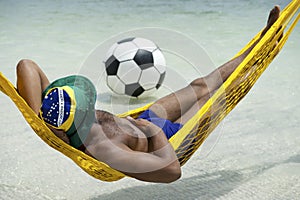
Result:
pixel 68 104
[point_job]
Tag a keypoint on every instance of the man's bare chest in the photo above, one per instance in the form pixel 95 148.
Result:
pixel 120 129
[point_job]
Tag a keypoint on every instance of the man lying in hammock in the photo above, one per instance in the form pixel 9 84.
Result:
pixel 137 147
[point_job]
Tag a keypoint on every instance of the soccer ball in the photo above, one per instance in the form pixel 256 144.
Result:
pixel 134 67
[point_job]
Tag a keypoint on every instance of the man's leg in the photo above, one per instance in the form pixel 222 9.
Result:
pixel 31 82
pixel 192 97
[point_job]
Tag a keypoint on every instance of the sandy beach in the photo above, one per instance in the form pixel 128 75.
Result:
pixel 255 152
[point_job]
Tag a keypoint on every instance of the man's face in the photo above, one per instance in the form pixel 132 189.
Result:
pixel 61 134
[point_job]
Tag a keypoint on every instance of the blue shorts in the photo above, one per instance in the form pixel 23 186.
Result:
pixel 168 127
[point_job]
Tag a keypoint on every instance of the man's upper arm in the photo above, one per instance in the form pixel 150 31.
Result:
pixel 140 165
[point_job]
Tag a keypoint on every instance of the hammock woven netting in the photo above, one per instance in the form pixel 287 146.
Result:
pixel 189 138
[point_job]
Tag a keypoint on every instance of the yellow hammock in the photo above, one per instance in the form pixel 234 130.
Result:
pixel 188 139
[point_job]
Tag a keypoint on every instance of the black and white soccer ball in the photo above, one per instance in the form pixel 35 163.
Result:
pixel 134 67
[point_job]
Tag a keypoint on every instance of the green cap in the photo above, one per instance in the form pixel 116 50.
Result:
pixel 68 104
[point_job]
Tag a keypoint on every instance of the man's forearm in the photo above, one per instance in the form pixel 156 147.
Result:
pixel 159 145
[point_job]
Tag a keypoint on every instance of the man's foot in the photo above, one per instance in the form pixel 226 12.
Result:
pixel 273 16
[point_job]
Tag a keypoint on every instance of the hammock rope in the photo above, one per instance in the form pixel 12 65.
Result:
pixel 189 138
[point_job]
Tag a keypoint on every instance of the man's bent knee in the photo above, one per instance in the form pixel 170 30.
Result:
pixel 199 82
pixel 199 86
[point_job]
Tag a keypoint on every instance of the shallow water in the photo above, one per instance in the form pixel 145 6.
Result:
pixel 258 153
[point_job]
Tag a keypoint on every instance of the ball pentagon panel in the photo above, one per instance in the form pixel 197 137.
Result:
pixel 143 58
pixel 126 40
pixel 112 65
pixel 134 89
